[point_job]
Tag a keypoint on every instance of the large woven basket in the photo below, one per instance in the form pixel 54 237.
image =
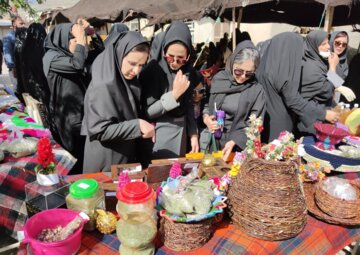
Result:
pixel 180 236
pixel 339 208
pixel 266 201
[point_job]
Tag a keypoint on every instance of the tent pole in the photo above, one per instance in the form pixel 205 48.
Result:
pixel 233 29
pixel 329 18
pixel 241 10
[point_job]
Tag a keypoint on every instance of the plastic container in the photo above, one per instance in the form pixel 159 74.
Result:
pixel 135 197
pixel 51 219
pixel 86 196
pixel 137 226
pixel 220 117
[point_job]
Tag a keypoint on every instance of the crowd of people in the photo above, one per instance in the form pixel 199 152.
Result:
pixel 125 100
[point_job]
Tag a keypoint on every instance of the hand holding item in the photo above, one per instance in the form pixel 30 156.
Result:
pixel 211 123
pixel 332 116
pixel 147 129
pixel 346 92
pixel 180 84
pixel 228 149
pixel 79 33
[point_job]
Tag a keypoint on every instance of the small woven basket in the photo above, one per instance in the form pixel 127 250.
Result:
pixel 180 236
pixel 266 201
pixel 335 207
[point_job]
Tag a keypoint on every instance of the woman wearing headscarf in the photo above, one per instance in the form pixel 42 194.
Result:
pixel 168 81
pixel 236 91
pixel 319 76
pixel 115 30
pixel 21 69
pixel 64 68
pixel 339 41
pixel 32 56
pixel 111 122
pixel 279 72
pixel 353 78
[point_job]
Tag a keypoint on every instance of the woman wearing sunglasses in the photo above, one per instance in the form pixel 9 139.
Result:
pixel 168 81
pixel 236 92
pixel 338 44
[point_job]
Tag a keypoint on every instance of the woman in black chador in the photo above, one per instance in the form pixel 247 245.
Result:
pixel 112 101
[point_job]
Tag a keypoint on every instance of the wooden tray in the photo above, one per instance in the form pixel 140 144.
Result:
pixel 309 191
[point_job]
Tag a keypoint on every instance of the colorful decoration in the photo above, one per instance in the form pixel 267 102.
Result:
pixel 123 179
pixel 312 172
pixel 328 135
pixel 283 148
pixel 253 144
pixel 45 157
pixel 175 170
pixel 105 222
pixel 237 162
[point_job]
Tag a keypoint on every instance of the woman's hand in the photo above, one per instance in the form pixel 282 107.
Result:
pixel 332 116
pixel 180 84
pixel 147 129
pixel 333 61
pixel 194 143
pixel 227 149
pixel 211 123
pixel 79 33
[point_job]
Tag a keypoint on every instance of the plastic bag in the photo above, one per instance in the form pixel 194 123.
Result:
pixel 340 188
pixel 21 147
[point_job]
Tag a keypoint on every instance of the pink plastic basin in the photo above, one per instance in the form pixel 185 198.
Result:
pixel 51 219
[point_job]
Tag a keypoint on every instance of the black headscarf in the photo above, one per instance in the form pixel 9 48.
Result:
pixel 279 72
pixel 21 69
pixel 115 30
pixel 314 72
pixel 224 82
pixel 342 69
pixel 110 95
pixel 176 32
pixel 56 44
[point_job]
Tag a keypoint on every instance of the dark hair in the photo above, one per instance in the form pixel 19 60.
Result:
pixel 142 47
pixel 342 34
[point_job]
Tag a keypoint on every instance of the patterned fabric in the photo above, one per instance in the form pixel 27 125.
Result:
pixel 15 173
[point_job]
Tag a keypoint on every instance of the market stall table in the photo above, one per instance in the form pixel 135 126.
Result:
pixel 15 173
pixel 317 238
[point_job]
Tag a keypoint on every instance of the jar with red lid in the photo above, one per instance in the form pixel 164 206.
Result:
pixel 137 226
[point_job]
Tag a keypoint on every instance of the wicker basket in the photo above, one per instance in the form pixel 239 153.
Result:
pixel 179 236
pixel 266 201
pixel 336 207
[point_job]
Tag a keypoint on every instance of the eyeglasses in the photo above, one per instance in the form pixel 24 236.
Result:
pixel 178 60
pixel 338 44
pixel 199 91
pixel 240 72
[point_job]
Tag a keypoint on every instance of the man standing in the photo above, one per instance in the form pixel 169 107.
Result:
pixel 8 48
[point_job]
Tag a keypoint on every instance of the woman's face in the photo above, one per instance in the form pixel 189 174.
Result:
pixel 132 64
pixel 324 46
pixel 176 56
pixel 244 71
pixel 340 44
pixel 198 93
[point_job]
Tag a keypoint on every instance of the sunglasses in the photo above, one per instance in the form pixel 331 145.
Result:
pixel 240 72
pixel 338 44
pixel 199 91
pixel 172 59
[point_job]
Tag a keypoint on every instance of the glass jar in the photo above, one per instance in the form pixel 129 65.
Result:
pixel 136 232
pixel 135 197
pixel 86 196
pixel 137 226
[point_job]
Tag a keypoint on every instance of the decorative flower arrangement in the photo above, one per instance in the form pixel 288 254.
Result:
pixel 312 172
pixel 253 144
pixel 283 148
pixel 237 162
pixel 45 157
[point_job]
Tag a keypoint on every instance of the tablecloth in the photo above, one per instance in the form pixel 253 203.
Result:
pixel 15 173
